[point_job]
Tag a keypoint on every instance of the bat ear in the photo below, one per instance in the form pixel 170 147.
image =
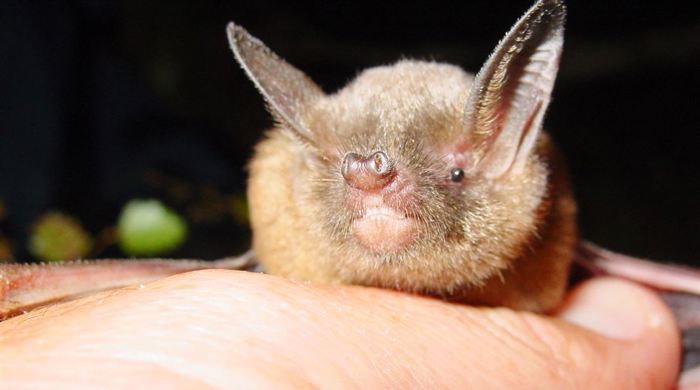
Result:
pixel 286 89
pixel 510 94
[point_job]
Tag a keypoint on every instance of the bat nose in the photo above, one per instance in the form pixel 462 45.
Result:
pixel 371 173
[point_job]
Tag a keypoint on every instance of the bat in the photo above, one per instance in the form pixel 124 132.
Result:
pixel 416 176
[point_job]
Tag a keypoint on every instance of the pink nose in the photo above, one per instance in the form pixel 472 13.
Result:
pixel 368 173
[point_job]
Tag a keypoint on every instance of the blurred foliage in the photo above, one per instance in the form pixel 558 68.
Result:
pixel 204 203
pixel 147 228
pixel 238 207
pixel 57 237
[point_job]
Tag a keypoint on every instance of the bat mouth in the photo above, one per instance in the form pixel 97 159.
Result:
pixel 382 229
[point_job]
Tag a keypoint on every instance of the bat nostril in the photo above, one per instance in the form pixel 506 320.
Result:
pixel 367 173
pixel 350 165
pixel 381 164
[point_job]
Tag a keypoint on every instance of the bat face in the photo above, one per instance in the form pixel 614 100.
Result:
pixel 415 176
pixel 395 187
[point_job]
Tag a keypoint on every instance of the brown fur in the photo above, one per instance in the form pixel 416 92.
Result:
pixel 506 242
pixel 503 235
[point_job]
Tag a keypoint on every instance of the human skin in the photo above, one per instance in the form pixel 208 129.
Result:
pixel 230 329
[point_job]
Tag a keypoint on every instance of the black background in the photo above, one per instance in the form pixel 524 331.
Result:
pixel 93 95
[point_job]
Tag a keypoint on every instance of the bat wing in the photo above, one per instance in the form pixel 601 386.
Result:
pixel 24 287
pixel 678 286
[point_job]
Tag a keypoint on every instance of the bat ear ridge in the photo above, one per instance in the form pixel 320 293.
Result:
pixel 510 94
pixel 286 89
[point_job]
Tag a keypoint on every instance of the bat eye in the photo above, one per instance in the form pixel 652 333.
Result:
pixel 456 175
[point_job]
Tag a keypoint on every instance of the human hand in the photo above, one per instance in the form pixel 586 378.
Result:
pixel 233 329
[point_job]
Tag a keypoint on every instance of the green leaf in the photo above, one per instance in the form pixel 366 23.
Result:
pixel 59 237
pixel 148 228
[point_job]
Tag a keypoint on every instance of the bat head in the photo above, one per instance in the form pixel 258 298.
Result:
pixel 416 175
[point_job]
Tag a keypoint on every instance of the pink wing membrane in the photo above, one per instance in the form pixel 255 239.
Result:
pixel 27 286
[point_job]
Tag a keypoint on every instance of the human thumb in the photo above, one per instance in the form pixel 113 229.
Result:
pixel 636 318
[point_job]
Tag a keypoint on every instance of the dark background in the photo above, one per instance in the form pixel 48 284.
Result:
pixel 105 101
